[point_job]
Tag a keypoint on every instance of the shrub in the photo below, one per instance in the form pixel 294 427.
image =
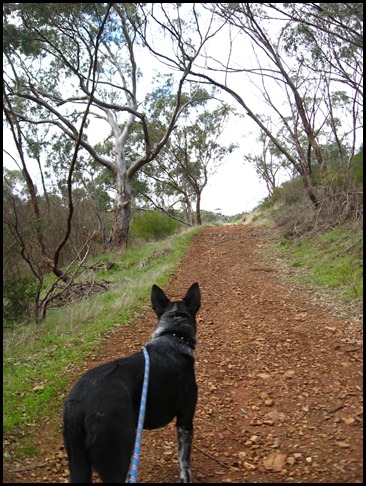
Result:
pixel 357 167
pixel 266 203
pixel 292 191
pixel 18 297
pixel 152 225
pixel 289 193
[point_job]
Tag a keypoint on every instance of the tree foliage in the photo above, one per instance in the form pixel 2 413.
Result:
pixel 192 155
pixel 60 53
pixel 300 83
pixel 113 104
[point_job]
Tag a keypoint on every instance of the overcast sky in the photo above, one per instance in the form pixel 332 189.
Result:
pixel 235 187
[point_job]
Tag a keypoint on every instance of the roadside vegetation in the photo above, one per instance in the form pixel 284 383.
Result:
pixel 331 259
pixel 324 242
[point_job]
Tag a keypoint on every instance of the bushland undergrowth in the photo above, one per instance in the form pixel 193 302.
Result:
pixel 325 242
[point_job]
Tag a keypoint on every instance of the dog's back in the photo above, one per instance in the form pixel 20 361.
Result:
pixel 100 423
pixel 101 411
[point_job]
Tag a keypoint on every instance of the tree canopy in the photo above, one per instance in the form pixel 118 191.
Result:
pixel 124 104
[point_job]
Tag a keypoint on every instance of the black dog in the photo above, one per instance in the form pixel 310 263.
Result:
pixel 101 411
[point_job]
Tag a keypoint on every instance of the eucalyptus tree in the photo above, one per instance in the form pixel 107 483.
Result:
pixel 327 39
pixel 318 58
pixel 270 164
pixel 253 57
pixel 192 155
pixel 49 69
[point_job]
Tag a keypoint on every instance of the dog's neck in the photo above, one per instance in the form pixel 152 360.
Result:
pixel 190 343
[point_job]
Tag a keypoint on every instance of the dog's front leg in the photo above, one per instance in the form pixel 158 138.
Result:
pixel 184 453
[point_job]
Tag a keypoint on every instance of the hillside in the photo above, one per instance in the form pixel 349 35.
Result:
pixel 279 372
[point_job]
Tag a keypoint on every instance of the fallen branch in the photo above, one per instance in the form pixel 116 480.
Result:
pixel 210 457
pixel 28 468
pixel 348 249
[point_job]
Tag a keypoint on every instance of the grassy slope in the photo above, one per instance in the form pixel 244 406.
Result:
pixel 330 258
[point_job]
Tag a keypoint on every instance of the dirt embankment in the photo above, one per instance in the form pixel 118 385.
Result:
pixel 279 377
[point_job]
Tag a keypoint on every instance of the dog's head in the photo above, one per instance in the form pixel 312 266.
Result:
pixel 177 317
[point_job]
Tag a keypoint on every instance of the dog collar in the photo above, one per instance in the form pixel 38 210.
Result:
pixel 182 338
pixel 191 344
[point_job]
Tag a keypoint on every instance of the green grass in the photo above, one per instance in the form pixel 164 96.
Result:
pixel 332 259
pixel 38 357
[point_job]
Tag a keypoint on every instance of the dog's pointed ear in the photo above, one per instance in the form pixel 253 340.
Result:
pixel 159 300
pixel 193 298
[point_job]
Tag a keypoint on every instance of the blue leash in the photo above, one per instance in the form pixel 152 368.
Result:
pixel 140 423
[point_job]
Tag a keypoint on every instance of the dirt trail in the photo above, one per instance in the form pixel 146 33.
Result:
pixel 279 378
